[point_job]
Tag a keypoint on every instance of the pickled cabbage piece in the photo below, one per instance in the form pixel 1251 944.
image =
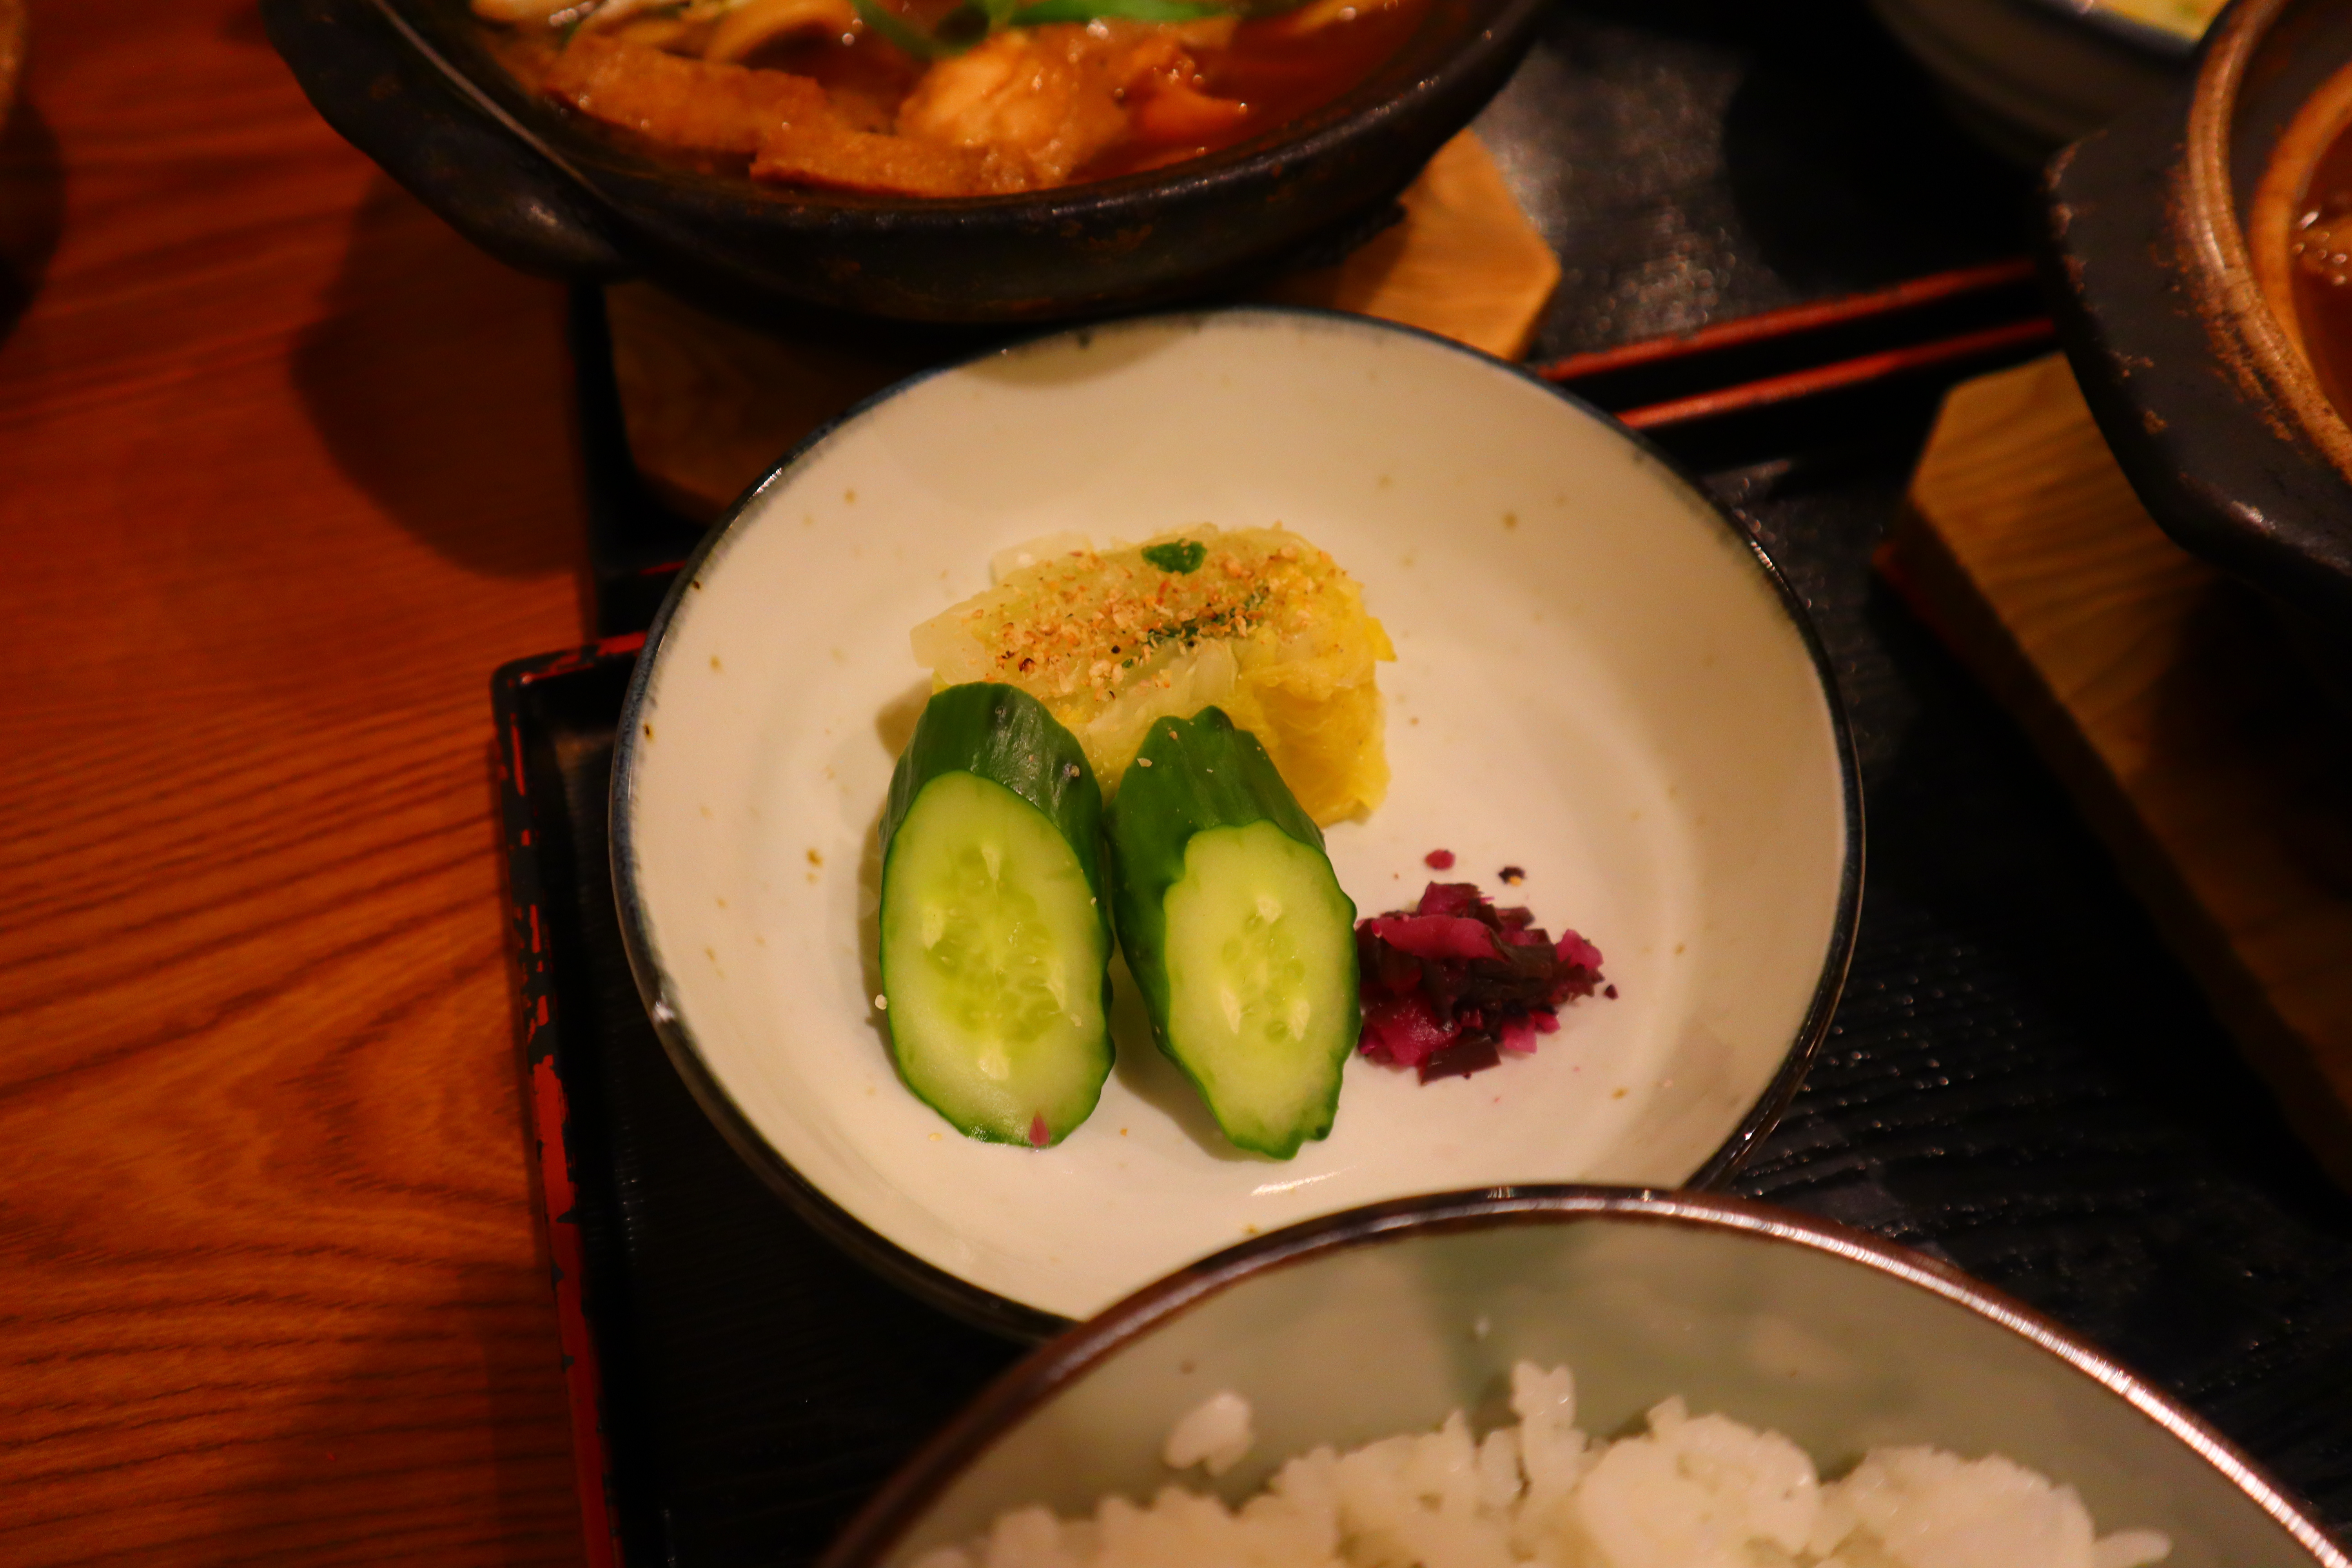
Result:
pixel 1265 626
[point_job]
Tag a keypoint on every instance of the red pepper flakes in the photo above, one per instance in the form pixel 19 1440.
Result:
pixel 1511 876
pixel 1039 1136
pixel 1439 859
pixel 1453 985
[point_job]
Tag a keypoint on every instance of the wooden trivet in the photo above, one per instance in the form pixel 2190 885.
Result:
pixel 710 404
pixel 2170 708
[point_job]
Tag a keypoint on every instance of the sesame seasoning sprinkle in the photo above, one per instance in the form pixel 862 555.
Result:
pixel 1089 623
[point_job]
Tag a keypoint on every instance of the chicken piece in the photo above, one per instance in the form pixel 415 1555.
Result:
pixel 826 152
pixel 692 104
pixel 1050 97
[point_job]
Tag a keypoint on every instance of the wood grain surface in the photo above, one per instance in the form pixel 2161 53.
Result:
pixel 284 471
pixel 2169 706
pixel 710 404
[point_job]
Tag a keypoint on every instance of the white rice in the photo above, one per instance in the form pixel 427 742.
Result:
pixel 1693 1491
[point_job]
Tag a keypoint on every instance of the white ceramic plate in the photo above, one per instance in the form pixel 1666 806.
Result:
pixel 1598 679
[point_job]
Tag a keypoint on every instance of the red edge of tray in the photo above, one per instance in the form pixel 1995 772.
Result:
pixel 549 1108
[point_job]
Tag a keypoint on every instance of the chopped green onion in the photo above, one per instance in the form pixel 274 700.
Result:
pixel 1180 556
pixel 902 34
pixel 962 27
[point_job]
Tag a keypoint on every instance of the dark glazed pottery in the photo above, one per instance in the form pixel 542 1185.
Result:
pixel 2026 76
pixel 2193 378
pixel 410 83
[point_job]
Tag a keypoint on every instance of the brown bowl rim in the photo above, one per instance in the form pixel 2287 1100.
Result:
pixel 2263 352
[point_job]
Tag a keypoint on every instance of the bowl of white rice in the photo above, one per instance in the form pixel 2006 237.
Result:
pixel 1580 1377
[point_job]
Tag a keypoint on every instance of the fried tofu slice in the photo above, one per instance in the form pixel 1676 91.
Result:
pixel 822 152
pixel 697 105
pixel 1024 110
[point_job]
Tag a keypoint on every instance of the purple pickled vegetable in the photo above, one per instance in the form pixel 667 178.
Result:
pixel 1453 985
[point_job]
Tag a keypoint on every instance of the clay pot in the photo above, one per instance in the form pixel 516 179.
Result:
pixel 410 83
pixel 2169 233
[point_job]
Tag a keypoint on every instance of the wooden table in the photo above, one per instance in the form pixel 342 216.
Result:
pixel 286 469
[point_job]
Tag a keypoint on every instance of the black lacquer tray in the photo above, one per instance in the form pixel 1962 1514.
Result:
pixel 2020 1078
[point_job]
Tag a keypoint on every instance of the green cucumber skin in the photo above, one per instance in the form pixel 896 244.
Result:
pixel 1007 736
pixel 1192 775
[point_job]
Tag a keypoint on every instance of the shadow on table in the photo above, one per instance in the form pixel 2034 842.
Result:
pixel 244 26
pixel 32 209
pixel 1693 161
pixel 440 382
pixel 445 1441
pixel 1847 173
pixel 429 1422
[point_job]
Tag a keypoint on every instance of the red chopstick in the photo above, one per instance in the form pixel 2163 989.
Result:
pixel 1793 320
pixel 1841 374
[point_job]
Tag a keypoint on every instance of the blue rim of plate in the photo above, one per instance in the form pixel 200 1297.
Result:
pixel 880 1526
pixel 949 1291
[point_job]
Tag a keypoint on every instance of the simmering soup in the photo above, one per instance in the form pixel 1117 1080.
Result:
pixel 2320 248
pixel 944 98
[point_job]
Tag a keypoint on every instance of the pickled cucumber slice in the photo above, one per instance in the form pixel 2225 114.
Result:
pixel 996 936
pixel 1236 931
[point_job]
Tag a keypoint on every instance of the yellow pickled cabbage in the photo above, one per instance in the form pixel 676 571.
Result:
pixel 1257 622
